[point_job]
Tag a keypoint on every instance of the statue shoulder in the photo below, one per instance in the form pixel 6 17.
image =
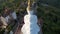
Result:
pixel 34 16
pixel 26 15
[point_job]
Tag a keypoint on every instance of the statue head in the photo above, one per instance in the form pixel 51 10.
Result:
pixel 29 10
pixel 31 7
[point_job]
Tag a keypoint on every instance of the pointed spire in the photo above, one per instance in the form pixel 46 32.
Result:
pixel 29 5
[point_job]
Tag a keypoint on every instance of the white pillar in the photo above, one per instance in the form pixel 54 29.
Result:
pixel 30 26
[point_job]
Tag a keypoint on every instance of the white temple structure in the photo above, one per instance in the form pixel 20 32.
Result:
pixel 7 17
pixel 30 20
pixel 13 15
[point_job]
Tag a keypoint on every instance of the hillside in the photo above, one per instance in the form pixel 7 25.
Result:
pixel 49 10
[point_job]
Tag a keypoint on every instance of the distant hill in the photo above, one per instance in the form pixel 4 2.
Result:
pixel 55 3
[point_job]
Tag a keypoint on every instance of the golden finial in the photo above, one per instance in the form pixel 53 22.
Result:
pixel 29 5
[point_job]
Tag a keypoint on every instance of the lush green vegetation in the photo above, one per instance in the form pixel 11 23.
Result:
pixel 51 19
pixel 50 14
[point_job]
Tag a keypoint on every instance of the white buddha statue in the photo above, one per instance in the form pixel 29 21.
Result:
pixel 30 20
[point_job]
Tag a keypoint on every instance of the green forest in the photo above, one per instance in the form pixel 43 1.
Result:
pixel 48 10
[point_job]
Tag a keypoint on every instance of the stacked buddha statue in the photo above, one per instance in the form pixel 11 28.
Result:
pixel 30 20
